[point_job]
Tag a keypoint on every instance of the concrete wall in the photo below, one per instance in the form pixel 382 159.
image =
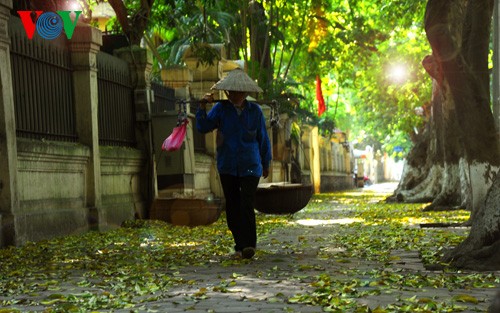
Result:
pixel 334 181
pixel 52 178
pixel 9 199
pixel 121 181
pixel 50 188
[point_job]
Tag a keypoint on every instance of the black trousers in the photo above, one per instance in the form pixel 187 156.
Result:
pixel 240 198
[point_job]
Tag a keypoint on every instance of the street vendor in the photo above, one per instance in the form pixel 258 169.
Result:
pixel 243 153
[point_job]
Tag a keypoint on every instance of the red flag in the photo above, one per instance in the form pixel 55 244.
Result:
pixel 319 97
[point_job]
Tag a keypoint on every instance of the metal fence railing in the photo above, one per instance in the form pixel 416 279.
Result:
pixel 116 102
pixel 42 86
pixel 164 98
pixel 42 79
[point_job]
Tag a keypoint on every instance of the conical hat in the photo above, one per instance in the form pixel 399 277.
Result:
pixel 237 80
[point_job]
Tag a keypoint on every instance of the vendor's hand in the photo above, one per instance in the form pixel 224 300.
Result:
pixel 207 98
pixel 265 173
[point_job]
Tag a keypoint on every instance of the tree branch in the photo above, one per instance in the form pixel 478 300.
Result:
pixel 134 28
pixel 296 45
pixel 121 14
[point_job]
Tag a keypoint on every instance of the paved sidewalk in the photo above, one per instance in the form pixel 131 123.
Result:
pixel 283 267
pixel 285 261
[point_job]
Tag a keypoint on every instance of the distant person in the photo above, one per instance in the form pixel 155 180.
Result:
pixel 243 154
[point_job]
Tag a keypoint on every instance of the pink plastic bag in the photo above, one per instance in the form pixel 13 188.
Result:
pixel 176 138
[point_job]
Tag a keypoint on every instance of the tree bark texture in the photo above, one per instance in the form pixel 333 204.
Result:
pixel 462 150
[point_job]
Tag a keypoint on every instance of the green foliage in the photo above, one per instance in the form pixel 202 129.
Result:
pixel 351 44
pixel 295 133
pixel 373 107
pixel 194 23
pixel 205 54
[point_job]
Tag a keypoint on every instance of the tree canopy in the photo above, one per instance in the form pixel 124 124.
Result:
pixel 367 54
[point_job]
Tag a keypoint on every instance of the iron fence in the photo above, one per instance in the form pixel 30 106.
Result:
pixel 116 102
pixel 164 98
pixel 42 85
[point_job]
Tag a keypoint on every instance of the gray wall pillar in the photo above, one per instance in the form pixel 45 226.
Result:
pixel 9 197
pixel 84 46
pixel 140 61
pixel 496 65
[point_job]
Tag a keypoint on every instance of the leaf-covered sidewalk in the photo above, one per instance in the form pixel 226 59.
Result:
pixel 345 252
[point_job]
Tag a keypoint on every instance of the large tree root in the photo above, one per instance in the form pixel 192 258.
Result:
pixel 441 187
pixel 483 259
pixel 481 249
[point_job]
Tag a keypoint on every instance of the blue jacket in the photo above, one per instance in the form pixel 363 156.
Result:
pixel 243 146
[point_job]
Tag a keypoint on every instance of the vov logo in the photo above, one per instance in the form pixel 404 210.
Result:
pixel 49 25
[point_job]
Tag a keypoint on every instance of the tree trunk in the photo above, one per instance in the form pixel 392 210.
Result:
pixel 433 169
pixel 462 151
pixel 459 34
pixel 133 25
pixel 481 249
pixel 260 44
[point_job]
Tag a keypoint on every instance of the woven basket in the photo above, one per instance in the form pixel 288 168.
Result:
pixel 282 198
pixel 186 212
